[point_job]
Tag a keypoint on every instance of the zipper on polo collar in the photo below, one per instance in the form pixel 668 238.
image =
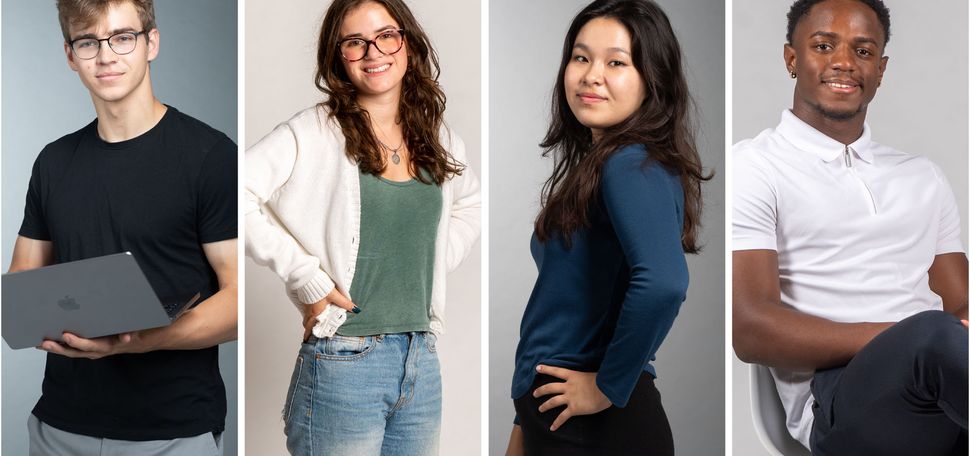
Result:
pixel 863 186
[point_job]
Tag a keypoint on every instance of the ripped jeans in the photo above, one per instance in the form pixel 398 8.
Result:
pixel 365 396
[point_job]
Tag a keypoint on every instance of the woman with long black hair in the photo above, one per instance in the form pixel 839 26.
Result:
pixel 618 213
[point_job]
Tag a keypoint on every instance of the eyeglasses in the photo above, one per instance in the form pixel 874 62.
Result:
pixel 387 42
pixel 121 43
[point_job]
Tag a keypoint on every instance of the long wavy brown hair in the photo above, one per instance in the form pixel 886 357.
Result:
pixel 662 124
pixel 422 107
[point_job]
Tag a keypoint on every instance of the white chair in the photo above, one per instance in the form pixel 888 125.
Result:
pixel 769 415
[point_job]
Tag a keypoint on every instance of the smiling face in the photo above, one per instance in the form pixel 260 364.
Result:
pixel 603 88
pixel 836 54
pixel 377 73
pixel 109 77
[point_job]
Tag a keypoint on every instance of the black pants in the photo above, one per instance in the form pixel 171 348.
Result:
pixel 640 428
pixel 905 393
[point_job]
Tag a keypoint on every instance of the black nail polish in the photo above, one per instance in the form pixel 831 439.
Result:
pixel 356 310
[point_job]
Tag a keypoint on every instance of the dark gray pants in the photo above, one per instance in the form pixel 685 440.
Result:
pixel 48 441
pixel 905 393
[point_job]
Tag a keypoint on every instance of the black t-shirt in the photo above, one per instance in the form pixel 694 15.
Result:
pixel 161 196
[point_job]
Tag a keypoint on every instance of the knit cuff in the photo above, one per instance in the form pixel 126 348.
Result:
pixel 437 327
pixel 316 289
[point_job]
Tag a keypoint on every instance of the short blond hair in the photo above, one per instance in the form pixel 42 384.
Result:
pixel 83 13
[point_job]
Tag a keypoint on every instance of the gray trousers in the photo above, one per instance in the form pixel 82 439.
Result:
pixel 49 441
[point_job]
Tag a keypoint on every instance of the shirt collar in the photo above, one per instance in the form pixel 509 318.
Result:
pixel 808 139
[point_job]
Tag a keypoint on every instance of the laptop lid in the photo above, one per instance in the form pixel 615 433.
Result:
pixel 91 298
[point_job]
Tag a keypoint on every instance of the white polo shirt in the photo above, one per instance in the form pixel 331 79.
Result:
pixel 856 229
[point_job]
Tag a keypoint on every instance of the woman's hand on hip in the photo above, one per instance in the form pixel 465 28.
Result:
pixel 578 393
pixel 310 311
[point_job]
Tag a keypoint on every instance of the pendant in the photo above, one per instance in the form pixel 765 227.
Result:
pixel 396 158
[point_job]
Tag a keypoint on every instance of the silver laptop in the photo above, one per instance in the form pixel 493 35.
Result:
pixel 91 298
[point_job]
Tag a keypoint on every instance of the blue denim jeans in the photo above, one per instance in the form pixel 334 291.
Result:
pixel 365 396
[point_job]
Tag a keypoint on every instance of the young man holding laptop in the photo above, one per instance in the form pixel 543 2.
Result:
pixel 147 179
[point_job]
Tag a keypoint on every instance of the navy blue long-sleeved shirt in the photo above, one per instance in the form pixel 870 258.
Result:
pixel 605 304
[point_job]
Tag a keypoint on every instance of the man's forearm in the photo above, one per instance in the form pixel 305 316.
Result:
pixel 210 323
pixel 961 312
pixel 948 277
pixel 31 254
pixel 780 336
pixel 774 334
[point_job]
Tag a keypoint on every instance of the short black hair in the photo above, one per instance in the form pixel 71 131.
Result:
pixel 801 8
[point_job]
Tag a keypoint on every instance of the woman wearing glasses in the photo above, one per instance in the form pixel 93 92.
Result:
pixel 619 211
pixel 362 205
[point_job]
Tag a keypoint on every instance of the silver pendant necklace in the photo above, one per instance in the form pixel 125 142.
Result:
pixel 394 156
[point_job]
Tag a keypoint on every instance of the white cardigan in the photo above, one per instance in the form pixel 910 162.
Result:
pixel 303 210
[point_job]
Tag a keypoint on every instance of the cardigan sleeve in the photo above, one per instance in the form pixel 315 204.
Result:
pixel 466 210
pixel 644 203
pixel 269 164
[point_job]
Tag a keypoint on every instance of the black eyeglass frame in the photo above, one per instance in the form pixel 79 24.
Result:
pixel 107 40
pixel 372 42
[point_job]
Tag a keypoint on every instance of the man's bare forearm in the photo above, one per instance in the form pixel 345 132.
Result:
pixel 948 279
pixel 774 334
pixel 960 312
pixel 210 323
pixel 784 337
pixel 31 254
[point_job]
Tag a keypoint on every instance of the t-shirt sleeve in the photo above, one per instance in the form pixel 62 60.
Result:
pixel 34 225
pixel 754 221
pixel 217 216
pixel 948 239
pixel 644 204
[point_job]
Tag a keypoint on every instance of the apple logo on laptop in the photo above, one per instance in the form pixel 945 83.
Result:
pixel 68 303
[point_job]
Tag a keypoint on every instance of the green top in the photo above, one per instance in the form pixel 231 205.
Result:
pixel 395 261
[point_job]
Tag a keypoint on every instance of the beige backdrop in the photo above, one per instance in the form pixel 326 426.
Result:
pixel 280 56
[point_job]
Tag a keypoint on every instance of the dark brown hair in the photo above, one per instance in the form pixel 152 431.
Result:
pixel 661 124
pixel 421 111
pixel 83 13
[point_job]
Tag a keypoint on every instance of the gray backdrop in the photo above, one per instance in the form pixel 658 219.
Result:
pixel 280 63
pixel 43 100
pixel 921 108
pixel 525 44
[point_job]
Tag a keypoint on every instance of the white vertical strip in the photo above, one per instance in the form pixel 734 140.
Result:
pixel 485 180
pixel 241 228
pixel 728 209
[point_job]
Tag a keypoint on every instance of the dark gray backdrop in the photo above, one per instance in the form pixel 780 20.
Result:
pixel 525 41
pixel 43 100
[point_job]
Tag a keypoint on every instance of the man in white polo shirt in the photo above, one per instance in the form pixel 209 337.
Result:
pixel 850 279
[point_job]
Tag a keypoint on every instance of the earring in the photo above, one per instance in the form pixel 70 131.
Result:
pixel 793 75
